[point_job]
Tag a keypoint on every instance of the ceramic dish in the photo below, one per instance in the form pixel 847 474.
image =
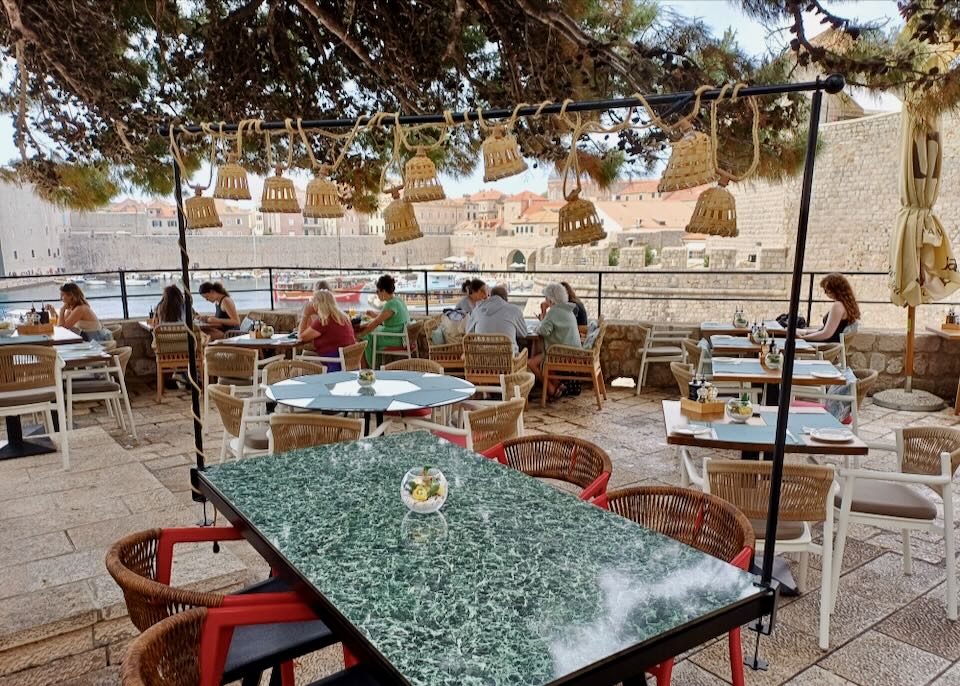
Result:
pixel 832 435
pixel 691 430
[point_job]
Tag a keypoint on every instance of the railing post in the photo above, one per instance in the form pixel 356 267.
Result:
pixel 810 297
pixel 270 283
pixel 426 292
pixel 123 294
pixel 599 294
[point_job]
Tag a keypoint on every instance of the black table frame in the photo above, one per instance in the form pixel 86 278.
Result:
pixel 625 665
pixel 17 446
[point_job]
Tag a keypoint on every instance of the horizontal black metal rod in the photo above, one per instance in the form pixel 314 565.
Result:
pixel 832 84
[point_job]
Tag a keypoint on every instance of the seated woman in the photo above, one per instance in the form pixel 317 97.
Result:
pixel 225 315
pixel 391 319
pixel 579 311
pixel 331 329
pixel 309 314
pixel 558 327
pixel 76 314
pixel 844 311
pixel 476 291
pixel 172 308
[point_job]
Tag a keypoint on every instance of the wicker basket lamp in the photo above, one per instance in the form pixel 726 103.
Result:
pixel 201 212
pixel 420 182
pixel 690 165
pixel 399 222
pixel 579 222
pixel 279 195
pixel 715 214
pixel 501 155
pixel 231 180
pixel 322 198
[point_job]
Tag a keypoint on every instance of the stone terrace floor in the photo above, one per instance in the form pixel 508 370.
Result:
pixel 62 617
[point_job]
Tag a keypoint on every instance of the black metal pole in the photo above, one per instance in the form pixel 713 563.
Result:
pixel 813 276
pixel 426 292
pixel 123 294
pixel 833 84
pixel 191 342
pixel 599 294
pixel 786 383
pixel 270 279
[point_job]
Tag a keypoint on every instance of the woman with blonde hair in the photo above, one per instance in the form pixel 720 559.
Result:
pixel 844 312
pixel 330 329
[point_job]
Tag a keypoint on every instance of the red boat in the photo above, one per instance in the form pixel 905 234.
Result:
pixel 346 290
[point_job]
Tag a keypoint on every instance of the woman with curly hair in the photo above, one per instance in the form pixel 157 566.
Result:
pixel 844 311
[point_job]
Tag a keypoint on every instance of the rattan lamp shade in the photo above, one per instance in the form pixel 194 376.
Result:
pixel 690 164
pixel 322 200
pixel 399 222
pixel 231 181
pixel 715 214
pixel 201 212
pixel 420 182
pixel 279 195
pixel 579 222
pixel 501 156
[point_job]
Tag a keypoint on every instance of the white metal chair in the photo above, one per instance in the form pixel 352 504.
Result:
pixel 232 366
pixel 402 344
pixel 660 345
pixel 106 384
pixel 350 357
pixel 31 381
pixel 245 430
pixel 927 456
pixel 807 494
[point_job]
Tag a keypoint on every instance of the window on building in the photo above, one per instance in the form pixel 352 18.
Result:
pixel 156 223
pixel 171 222
pixel 33 253
pixel 49 253
pixel 15 255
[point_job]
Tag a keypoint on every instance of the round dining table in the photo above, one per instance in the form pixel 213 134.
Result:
pixel 392 391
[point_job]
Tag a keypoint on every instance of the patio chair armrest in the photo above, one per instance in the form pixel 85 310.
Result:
pixel 267 360
pixel 557 352
pixel 447 348
pixel 192 534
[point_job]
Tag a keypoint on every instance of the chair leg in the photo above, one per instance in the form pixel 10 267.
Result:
pixel 736 658
pixel 596 392
pixel 907 557
pixel 803 571
pixel 950 551
pixel 68 417
pixel 843 525
pixel 827 594
pixel 545 391
pixel 642 373
pixel 62 434
pixel 159 384
pixel 126 402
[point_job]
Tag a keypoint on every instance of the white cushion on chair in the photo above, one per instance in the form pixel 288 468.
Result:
pixel 887 499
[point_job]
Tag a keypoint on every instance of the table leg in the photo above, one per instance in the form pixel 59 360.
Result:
pixel 17 446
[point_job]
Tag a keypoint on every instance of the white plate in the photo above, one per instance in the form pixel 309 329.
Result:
pixel 832 435
pixel 723 359
pixel 826 375
pixel 691 430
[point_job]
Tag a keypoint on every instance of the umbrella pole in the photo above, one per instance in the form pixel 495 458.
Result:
pixel 908 354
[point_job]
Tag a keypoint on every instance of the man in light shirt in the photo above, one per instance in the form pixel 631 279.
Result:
pixel 496 315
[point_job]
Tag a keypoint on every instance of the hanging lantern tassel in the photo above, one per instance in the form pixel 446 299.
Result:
pixel 201 212
pixel 715 213
pixel 579 222
pixel 322 201
pixel 279 195
pixel 231 180
pixel 420 182
pixel 690 164
pixel 501 156
pixel 399 222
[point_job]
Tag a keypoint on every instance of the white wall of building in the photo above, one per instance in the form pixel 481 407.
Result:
pixel 31 232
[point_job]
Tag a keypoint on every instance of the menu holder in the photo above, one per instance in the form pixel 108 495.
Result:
pixel 946 326
pixel 35 329
pixel 699 409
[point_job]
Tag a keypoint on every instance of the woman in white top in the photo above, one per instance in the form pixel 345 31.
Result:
pixel 76 314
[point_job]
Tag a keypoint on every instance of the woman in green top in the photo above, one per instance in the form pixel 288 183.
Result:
pixel 391 319
pixel 558 326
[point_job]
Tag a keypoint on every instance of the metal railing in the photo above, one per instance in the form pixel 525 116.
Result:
pixel 138 290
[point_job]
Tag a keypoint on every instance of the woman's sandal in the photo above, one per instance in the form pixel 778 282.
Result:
pixel 559 393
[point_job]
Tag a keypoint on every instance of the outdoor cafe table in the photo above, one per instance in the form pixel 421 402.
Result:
pixel 512 582
pixel 950 335
pixel 60 336
pixel 805 372
pixel 281 341
pixel 722 344
pixel 708 329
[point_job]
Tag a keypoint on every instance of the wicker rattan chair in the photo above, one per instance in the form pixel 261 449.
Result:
pixel 447 355
pixel 244 429
pixel 414 364
pixel 830 353
pixel 488 355
pixel 806 497
pixel 566 363
pixel 483 428
pixel 866 378
pixel 699 520
pixel 141 564
pixel 693 353
pixel 927 456
pixel 281 370
pixel 302 430
pixel 683 375
pixel 168 653
pixel 30 382
pixel 232 366
pixel 563 458
pixel 517 385
pixel 172 354
pixel 350 357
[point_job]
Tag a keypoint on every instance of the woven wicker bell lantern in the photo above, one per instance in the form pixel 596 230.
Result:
pixel 579 222
pixel 715 213
pixel 201 212
pixel 399 222
pixel 501 156
pixel 231 180
pixel 322 200
pixel 420 182
pixel 690 165
pixel 279 195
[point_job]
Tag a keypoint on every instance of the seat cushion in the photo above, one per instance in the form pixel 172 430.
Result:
pixel 95 386
pixel 234 381
pixel 886 498
pixel 806 403
pixel 256 438
pixel 664 350
pixel 785 530
pixel 258 647
pixel 28 399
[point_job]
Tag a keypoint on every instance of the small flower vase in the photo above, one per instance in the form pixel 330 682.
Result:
pixel 424 490
pixel 773 360
pixel 366 377
pixel 739 410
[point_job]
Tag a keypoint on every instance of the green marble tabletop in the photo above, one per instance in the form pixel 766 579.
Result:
pixel 513 582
